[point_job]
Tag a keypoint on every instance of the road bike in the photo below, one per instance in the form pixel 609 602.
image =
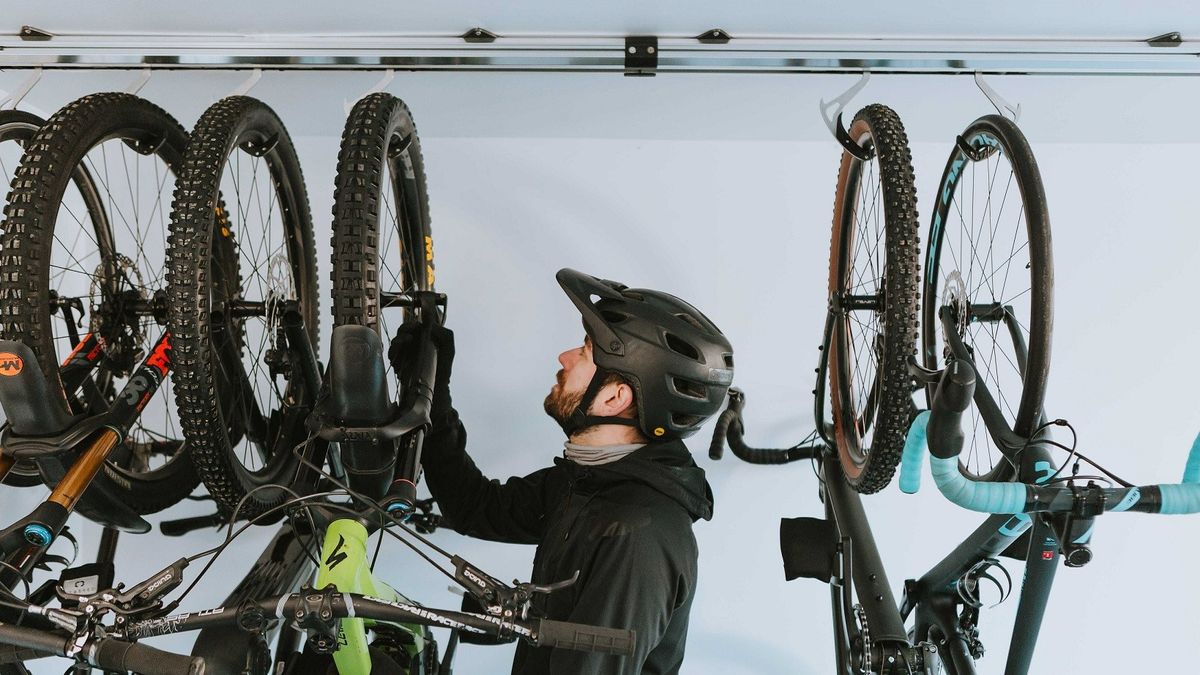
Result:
pixel 987 290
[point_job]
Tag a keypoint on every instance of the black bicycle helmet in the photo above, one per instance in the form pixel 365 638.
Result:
pixel 679 364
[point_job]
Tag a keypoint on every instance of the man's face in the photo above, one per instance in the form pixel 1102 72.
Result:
pixel 571 381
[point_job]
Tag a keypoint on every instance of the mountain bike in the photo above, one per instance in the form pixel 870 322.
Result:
pixel 241 277
pixel 101 627
pixel 83 231
pixel 987 288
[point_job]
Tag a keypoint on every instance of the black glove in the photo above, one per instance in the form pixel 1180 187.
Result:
pixel 403 354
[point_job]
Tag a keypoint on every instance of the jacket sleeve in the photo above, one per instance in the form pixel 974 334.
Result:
pixel 473 505
pixel 633 581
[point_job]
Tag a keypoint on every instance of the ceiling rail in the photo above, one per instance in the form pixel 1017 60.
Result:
pixel 604 54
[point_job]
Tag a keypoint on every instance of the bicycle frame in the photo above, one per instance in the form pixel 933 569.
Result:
pixel 933 599
pixel 25 541
pixel 344 565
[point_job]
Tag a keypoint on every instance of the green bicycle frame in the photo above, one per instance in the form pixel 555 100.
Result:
pixel 344 565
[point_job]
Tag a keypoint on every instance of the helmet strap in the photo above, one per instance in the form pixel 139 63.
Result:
pixel 580 419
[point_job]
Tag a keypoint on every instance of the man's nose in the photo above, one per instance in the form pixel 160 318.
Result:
pixel 564 359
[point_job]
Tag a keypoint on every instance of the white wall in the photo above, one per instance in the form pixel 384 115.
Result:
pixel 728 205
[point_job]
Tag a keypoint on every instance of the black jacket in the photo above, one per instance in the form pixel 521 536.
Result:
pixel 625 526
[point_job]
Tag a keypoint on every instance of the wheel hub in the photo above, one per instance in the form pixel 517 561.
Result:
pixel 117 291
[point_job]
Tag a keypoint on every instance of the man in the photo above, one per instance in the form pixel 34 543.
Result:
pixel 618 507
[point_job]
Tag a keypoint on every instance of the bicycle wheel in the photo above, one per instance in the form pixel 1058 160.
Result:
pixel 84 239
pixel 16 128
pixel 241 254
pixel 873 279
pixel 382 246
pixel 989 257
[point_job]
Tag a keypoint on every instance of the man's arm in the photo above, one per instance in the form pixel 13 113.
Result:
pixel 633 581
pixel 474 505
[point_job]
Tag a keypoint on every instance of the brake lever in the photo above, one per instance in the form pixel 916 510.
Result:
pixel 498 598
pixel 531 587
pixel 140 599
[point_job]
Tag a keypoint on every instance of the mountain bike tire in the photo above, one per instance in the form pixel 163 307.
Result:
pixel 58 156
pixel 873 285
pixel 972 220
pixel 214 262
pixel 381 226
pixel 17 127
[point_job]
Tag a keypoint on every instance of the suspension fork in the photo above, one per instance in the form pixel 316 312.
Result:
pixel 44 524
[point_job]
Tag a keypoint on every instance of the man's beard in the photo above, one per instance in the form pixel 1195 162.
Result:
pixel 561 404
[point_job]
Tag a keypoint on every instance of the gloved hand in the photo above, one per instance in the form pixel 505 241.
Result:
pixel 403 354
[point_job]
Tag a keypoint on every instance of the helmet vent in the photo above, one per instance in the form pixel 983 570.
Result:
pixel 681 420
pixel 680 347
pixel 693 321
pixel 729 360
pixel 613 317
pixel 690 388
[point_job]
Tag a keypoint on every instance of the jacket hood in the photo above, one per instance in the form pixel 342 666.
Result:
pixel 668 468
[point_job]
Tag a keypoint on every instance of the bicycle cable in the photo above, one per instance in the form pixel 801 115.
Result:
pixel 1073 454
pixel 373 505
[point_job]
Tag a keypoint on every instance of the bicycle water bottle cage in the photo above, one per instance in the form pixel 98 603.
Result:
pixel 30 403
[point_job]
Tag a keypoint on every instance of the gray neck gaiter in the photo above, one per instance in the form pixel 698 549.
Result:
pixel 591 455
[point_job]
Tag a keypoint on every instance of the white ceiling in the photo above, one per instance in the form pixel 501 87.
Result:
pixel 822 18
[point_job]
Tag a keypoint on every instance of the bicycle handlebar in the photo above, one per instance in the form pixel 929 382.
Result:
pixel 297 606
pixel 122 655
pixel 729 428
pixel 109 654
pixel 941 429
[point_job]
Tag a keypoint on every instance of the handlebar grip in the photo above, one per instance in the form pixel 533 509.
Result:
pixel 1179 499
pixel 585 638
pixel 182 526
pixel 982 497
pixel 914 455
pixel 716 449
pixel 1191 472
pixel 945 438
pixel 139 658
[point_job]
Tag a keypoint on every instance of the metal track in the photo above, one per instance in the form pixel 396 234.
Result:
pixel 603 54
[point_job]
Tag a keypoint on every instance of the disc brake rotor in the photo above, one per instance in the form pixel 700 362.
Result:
pixel 117 289
pixel 959 303
pixel 280 287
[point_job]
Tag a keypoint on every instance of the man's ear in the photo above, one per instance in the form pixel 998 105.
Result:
pixel 614 400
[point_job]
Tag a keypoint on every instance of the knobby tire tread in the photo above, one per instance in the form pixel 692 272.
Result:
pixel 190 249
pixel 901 287
pixel 30 213
pixel 356 211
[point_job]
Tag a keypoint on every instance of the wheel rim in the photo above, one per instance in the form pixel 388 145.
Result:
pixel 257 267
pixel 858 331
pixel 405 249
pixel 981 234
pixel 106 270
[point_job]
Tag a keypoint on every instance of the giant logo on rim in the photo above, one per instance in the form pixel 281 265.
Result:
pixel 10 364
